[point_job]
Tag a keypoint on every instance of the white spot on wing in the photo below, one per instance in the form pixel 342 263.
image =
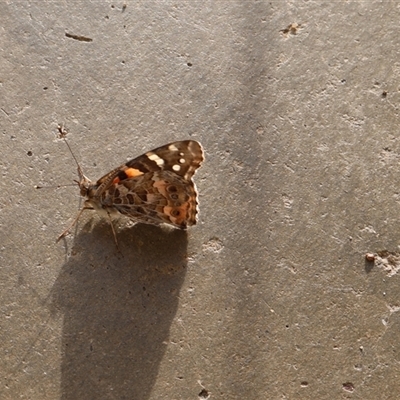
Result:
pixel 172 147
pixel 182 161
pixel 154 157
pixel 176 168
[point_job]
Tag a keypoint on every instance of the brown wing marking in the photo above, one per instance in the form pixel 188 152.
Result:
pixel 153 198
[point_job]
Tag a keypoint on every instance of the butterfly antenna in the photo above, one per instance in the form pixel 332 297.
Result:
pixel 54 186
pixel 63 135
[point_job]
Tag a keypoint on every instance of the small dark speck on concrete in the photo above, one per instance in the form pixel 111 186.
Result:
pixel 80 38
pixel 291 29
pixel 189 64
pixel 348 386
pixel 203 394
pixel 29 153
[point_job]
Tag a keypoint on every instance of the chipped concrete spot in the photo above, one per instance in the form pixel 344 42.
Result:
pixel 214 245
pixel 393 308
pixel 287 201
pixel 368 229
pixel 388 261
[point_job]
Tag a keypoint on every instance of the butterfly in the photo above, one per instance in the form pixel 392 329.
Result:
pixel 154 188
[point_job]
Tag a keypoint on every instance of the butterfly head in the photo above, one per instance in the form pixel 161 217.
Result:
pixel 86 186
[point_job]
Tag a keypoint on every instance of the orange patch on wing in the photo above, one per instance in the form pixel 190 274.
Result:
pixel 133 172
pixel 130 173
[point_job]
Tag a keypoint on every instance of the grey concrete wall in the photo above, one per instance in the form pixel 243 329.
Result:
pixel 270 296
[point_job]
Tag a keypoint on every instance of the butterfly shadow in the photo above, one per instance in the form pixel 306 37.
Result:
pixel 117 308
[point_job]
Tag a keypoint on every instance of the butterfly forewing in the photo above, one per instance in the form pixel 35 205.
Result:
pixel 182 158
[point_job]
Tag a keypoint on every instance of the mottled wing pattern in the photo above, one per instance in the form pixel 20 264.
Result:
pixel 156 187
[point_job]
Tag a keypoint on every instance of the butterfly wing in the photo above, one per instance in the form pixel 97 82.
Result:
pixel 182 158
pixel 156 187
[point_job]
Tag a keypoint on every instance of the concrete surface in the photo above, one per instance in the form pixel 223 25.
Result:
pixel 270 296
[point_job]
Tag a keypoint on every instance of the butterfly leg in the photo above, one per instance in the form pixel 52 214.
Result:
pixel 113 230
pixel 65 233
